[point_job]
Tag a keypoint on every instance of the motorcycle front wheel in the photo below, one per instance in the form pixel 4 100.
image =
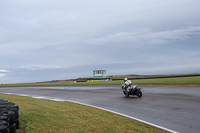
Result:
pixel 139 93
pixel 126 94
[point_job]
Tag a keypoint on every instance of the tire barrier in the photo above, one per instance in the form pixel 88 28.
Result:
pixel 9 117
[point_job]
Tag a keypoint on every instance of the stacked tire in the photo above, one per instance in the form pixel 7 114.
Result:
pixel 9 117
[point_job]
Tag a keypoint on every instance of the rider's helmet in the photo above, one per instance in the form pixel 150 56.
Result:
pixel 125 79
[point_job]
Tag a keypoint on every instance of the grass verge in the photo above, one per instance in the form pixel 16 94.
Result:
pixel 45 116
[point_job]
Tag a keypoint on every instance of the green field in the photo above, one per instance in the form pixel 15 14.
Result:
pixel 45 116
pixel 157 81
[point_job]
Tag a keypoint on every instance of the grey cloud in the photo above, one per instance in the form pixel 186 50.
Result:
pixel 54 37
pixel 147 36
pixel 3 73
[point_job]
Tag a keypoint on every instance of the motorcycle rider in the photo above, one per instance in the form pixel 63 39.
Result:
pixel 126 85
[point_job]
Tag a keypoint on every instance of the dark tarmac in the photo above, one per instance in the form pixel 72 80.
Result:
pixel 175 108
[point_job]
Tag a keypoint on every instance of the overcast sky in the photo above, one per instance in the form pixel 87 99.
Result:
pixel 43 40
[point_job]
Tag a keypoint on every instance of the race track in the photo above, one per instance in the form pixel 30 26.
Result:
pixel 175 108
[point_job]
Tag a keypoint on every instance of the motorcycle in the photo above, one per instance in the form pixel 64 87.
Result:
pixel 133 90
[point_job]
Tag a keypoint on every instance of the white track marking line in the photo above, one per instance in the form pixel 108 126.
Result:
pixel 56 99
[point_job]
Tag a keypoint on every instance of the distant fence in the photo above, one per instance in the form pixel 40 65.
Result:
pixel 153 77
pixel 93 80
pixel 171 76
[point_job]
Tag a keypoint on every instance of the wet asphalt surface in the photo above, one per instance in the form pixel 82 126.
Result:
pixel 175 108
